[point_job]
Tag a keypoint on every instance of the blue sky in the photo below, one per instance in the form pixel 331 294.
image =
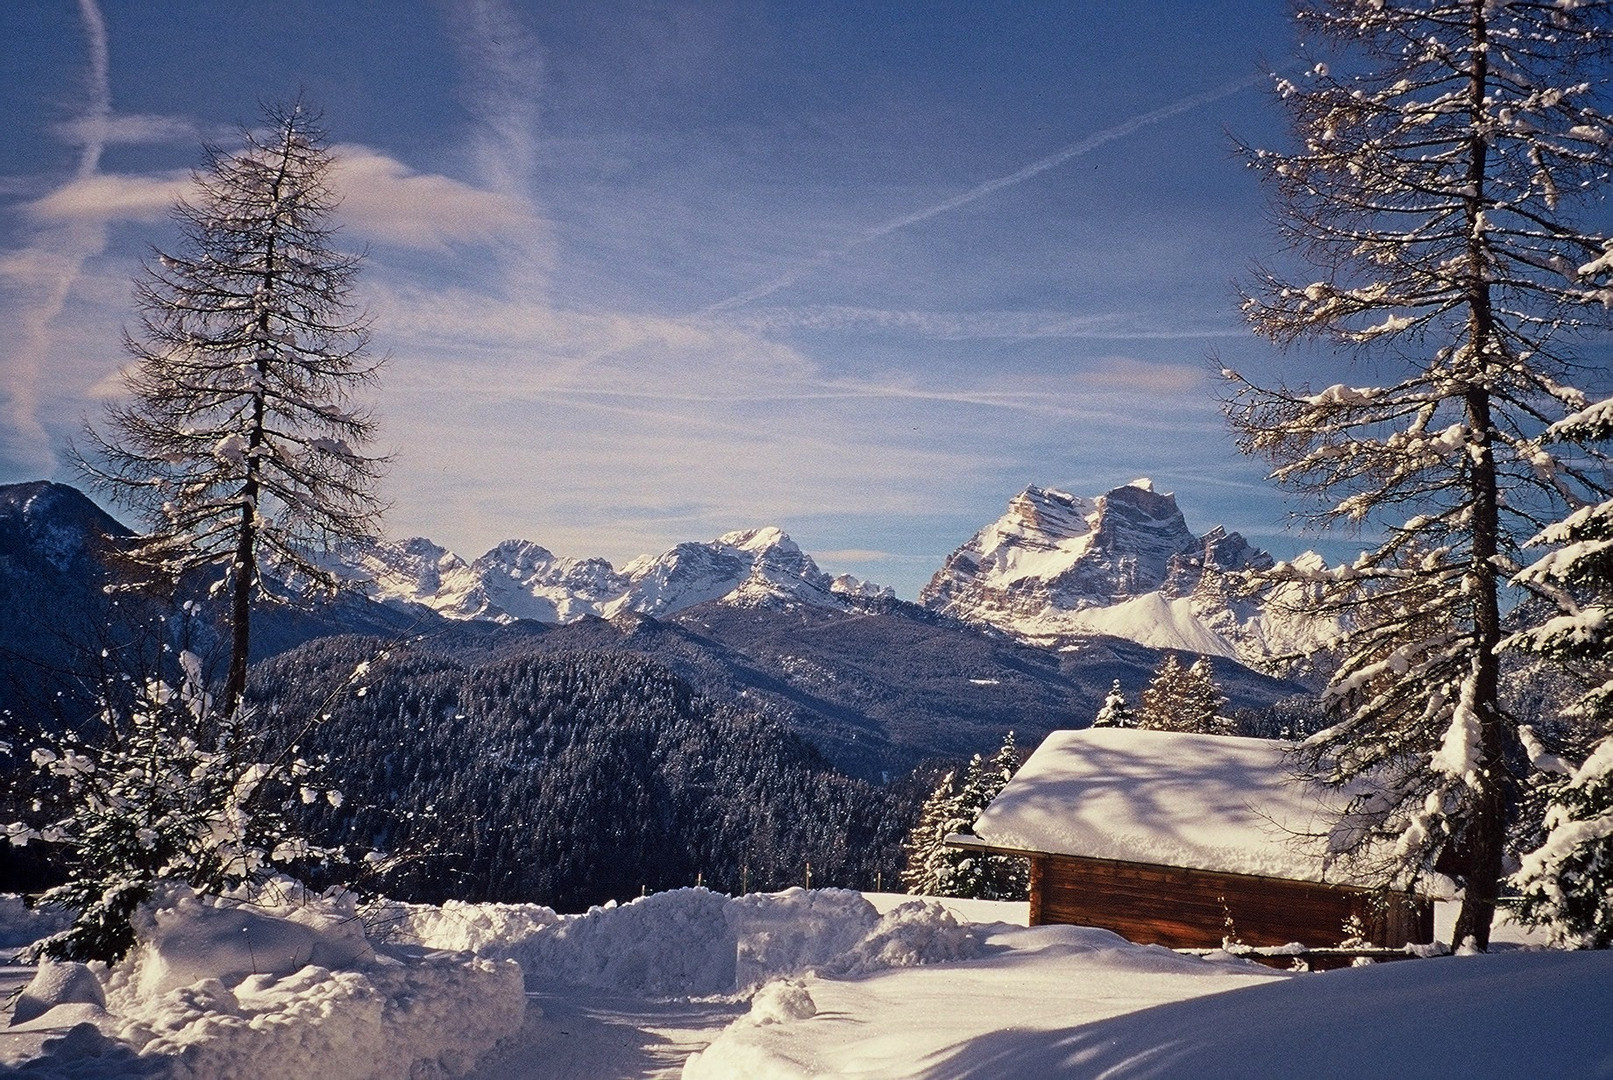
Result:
pixel 649 272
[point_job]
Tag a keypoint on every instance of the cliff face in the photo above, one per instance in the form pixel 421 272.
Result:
pixel 1123 563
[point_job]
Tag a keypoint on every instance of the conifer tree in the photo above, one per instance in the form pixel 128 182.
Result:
pixel 989 877
pixel 928 871
pixel 933 869
pixel 1204 701
pixel 240 445
pixel 1183 699
pixel 1116 710
pixel 1158 712
pixel 1567 882
pixel 1438 164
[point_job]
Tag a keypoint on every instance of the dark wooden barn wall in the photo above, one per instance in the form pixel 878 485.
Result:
pixel 1191 908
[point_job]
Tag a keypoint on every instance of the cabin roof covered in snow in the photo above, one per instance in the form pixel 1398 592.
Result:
pixel 1204 802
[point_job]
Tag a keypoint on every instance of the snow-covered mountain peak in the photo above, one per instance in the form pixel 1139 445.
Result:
pixel 518 555
pixel 758 540
pixel 519 579
pixel 1122 563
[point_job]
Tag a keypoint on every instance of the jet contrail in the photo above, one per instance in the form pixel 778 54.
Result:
pixel 100 104
pixel 1086 145
pixel 63 252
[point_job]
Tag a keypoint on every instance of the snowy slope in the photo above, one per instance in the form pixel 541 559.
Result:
pixel 696 985
pixel 1058 566
pixel 522 580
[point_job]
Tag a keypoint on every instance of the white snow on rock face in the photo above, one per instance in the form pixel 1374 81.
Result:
pixel 521 580
pixel 1123 563
pixel 1205 802
pixel 414 571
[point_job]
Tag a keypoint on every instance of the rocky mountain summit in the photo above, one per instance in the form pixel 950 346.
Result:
pixel 521 580
pixel 1058 566
pixel 875 683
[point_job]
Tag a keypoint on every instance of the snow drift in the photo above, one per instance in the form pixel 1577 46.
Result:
pixel 691 942
pixel 219 988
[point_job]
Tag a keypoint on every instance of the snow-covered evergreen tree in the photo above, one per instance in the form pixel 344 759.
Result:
pixel 1157 710
pixel 989 877
pixel 936 870
pixel 1204 702
pixel 169 792
pixel 1183 699
pixel 1567 882
pixel 241 445
pixel 1443 147
pixel 1116 710
pixel 928 871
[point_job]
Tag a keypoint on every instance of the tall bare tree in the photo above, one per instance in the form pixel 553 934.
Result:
pixel 1443 152
pixel 241 445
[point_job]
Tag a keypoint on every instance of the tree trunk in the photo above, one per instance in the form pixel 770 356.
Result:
pixel 244 569
pixel 1485 834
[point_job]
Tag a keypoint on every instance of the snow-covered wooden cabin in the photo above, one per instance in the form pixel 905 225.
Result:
pixel 1170 838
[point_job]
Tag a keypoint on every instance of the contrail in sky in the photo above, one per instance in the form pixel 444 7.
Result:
pixel 62 254
pixel 980 191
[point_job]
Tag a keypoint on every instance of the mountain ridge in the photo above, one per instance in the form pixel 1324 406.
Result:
pixel 1056 567
pixel 1053 569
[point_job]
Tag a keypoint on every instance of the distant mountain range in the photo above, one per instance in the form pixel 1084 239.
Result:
pixel 876 683
pixel 1054 569
pixel 521 580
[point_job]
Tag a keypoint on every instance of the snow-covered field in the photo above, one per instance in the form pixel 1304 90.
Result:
pixel 825 983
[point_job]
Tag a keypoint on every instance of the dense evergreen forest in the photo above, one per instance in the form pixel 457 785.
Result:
pixel 569 779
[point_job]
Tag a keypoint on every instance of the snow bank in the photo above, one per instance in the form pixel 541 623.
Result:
pixel 219 988
pixel 904 1023
pixel 1502 1015
pixel 185 939
pixel 58 983
pixel 21 925
pixel 456 925
pixel 694 942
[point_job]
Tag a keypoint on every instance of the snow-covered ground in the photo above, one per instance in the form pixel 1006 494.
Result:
pixel 825 983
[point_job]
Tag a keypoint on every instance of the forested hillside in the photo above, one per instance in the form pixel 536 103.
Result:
pixel 570 779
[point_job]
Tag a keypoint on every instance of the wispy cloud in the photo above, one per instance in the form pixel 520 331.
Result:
pixel 502 83
pixel 386 201
pixel 619 433
pixel 104 197
pixel 970 325
pixel 127 129
pixel 43 274
pixel 627 356
pixel 979 191
pixel 868 555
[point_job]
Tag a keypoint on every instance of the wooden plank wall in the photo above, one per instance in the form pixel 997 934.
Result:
pixel 1191 908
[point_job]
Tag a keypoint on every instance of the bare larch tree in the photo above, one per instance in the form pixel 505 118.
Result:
pixel 240 444
pixel 1443 151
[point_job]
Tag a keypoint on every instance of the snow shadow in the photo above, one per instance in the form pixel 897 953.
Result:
pixel 1498 1016
pixel 581 1034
